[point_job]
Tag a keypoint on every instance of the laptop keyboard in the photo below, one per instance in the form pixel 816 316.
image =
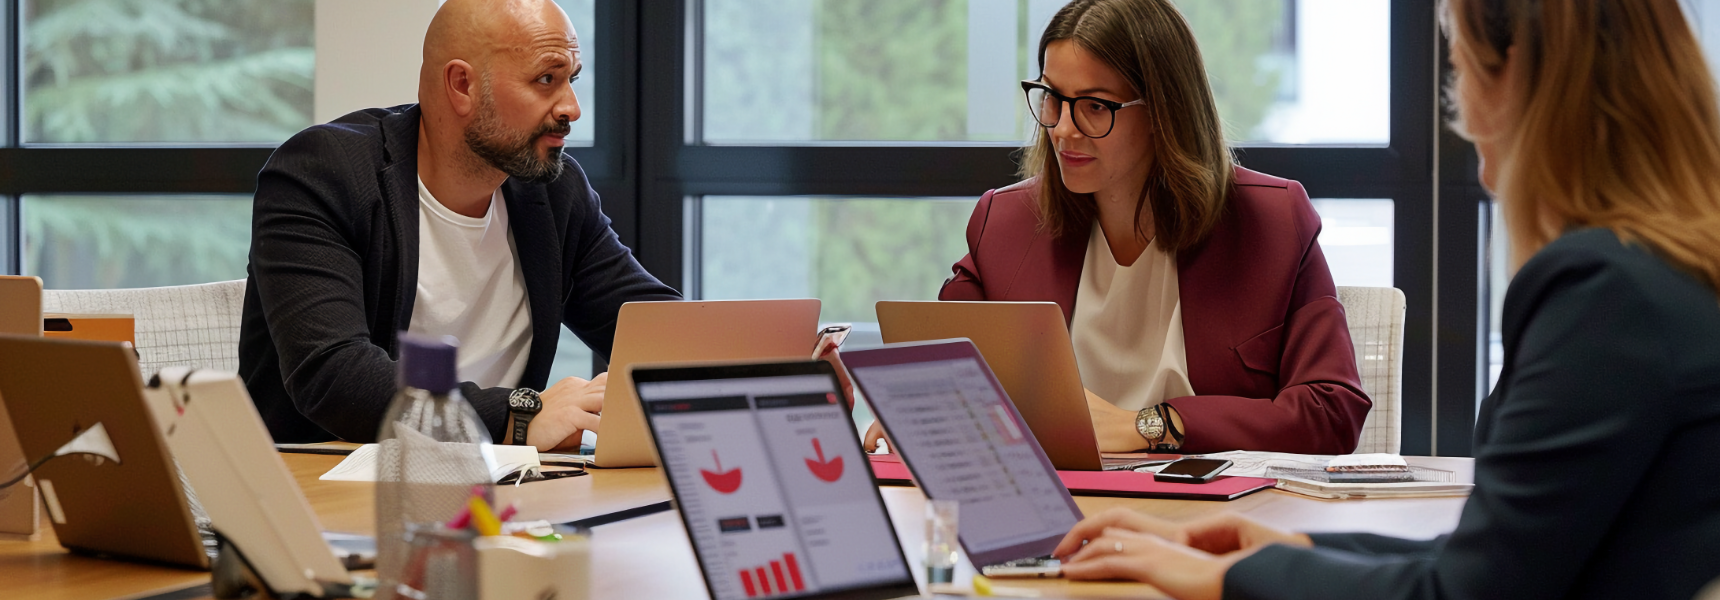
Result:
pixel 1028 562
pixel 199 516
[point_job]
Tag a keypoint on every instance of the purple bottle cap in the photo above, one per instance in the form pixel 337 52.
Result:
pixel 428 362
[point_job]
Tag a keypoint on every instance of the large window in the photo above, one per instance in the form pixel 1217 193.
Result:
pixel 1314 71
pixel 83 242
pixel 166 71
pixel 1356 236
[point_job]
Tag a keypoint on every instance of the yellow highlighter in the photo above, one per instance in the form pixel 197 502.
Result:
pixel 983 586
pixel 483 519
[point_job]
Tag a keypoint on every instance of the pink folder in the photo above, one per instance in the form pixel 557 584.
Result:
pixel 889 470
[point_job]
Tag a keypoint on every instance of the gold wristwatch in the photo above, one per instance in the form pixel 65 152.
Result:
pixel 1154 424
pixel 1151 425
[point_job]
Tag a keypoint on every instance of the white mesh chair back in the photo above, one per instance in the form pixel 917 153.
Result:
pixel 1376 328
pixel 179 326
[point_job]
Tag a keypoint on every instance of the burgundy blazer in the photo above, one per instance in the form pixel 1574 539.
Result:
pixel 1269 352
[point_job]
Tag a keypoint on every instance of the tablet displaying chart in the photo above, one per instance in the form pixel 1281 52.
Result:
pixel 771 482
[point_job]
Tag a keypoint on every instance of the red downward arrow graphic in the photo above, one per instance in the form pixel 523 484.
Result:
pixel 826 470
pixel 724 482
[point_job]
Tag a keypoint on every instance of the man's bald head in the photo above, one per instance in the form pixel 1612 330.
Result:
pixel 481 32
pixel 496 86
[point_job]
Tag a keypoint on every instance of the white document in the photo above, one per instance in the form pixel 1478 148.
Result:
pixel 361 464
pixel 1255 464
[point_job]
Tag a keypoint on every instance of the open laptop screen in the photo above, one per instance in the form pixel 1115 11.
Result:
pixel 768 475
pixel 963 440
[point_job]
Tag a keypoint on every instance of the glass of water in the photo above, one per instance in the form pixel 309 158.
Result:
pixel 941 542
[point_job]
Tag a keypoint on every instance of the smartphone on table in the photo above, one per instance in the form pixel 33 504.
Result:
pixel 1192 470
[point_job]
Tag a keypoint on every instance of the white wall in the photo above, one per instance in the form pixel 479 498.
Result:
pixel 368 53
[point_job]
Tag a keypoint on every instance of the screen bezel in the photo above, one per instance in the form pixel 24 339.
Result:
pixel 953 349
pixel 650 374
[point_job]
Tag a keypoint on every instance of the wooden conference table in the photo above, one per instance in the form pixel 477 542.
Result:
pixel 638 555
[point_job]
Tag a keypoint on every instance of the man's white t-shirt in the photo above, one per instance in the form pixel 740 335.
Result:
pixel 470 287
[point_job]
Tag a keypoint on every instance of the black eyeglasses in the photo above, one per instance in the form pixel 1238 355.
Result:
pixel 1094 117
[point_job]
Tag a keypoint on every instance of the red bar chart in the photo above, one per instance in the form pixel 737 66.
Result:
pixel 779 577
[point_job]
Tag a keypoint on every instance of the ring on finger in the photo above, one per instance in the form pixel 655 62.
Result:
pixel 1118 547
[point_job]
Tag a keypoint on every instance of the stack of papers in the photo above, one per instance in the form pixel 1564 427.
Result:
pixel 1308 474
pixel 1358 491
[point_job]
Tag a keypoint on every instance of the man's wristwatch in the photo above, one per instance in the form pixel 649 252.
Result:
pixel 523 404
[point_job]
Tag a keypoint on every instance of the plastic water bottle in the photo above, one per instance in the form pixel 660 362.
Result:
pixel 434 450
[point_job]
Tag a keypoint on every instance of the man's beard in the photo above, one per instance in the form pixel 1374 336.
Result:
pixel 511 152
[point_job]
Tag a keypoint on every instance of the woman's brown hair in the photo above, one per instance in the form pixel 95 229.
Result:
pixel 1616 125
pixel 1151 46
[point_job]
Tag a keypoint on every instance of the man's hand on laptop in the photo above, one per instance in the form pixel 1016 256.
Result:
pixel 570 407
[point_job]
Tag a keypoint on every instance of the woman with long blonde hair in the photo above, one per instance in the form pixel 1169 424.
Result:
pixel 1598 130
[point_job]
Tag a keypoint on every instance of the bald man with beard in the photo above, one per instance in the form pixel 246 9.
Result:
pixel 456 216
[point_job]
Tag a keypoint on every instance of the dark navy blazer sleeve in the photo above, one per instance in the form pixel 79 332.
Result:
pixel 1367 543
pixel 308 265
pixel 1587 481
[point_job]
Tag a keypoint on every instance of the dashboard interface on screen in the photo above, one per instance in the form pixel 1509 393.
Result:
pixel 770 480
pixel 965 443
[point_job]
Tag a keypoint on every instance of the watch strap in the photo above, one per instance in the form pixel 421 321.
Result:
pixel 520 422
pixel 523 404
pixel 1173 439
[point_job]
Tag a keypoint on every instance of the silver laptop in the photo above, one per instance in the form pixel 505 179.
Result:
pixel 962 439
pixel 132 502
pixel 705 331
pixel 768 475
pixel 115 493
pixel 1027 345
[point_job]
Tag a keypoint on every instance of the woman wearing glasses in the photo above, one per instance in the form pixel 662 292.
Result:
pixel 1198 300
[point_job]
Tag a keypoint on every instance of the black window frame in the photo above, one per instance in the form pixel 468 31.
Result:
pixel 646 170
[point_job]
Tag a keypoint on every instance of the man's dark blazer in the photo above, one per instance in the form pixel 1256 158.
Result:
pixel 334 273
pixel 1268 347
pixel 1596 469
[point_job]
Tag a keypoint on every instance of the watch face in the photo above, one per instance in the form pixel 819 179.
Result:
pixel 525 400
pixel 1150 426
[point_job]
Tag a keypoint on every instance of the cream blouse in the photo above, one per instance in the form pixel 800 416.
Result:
pixel 1127 329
